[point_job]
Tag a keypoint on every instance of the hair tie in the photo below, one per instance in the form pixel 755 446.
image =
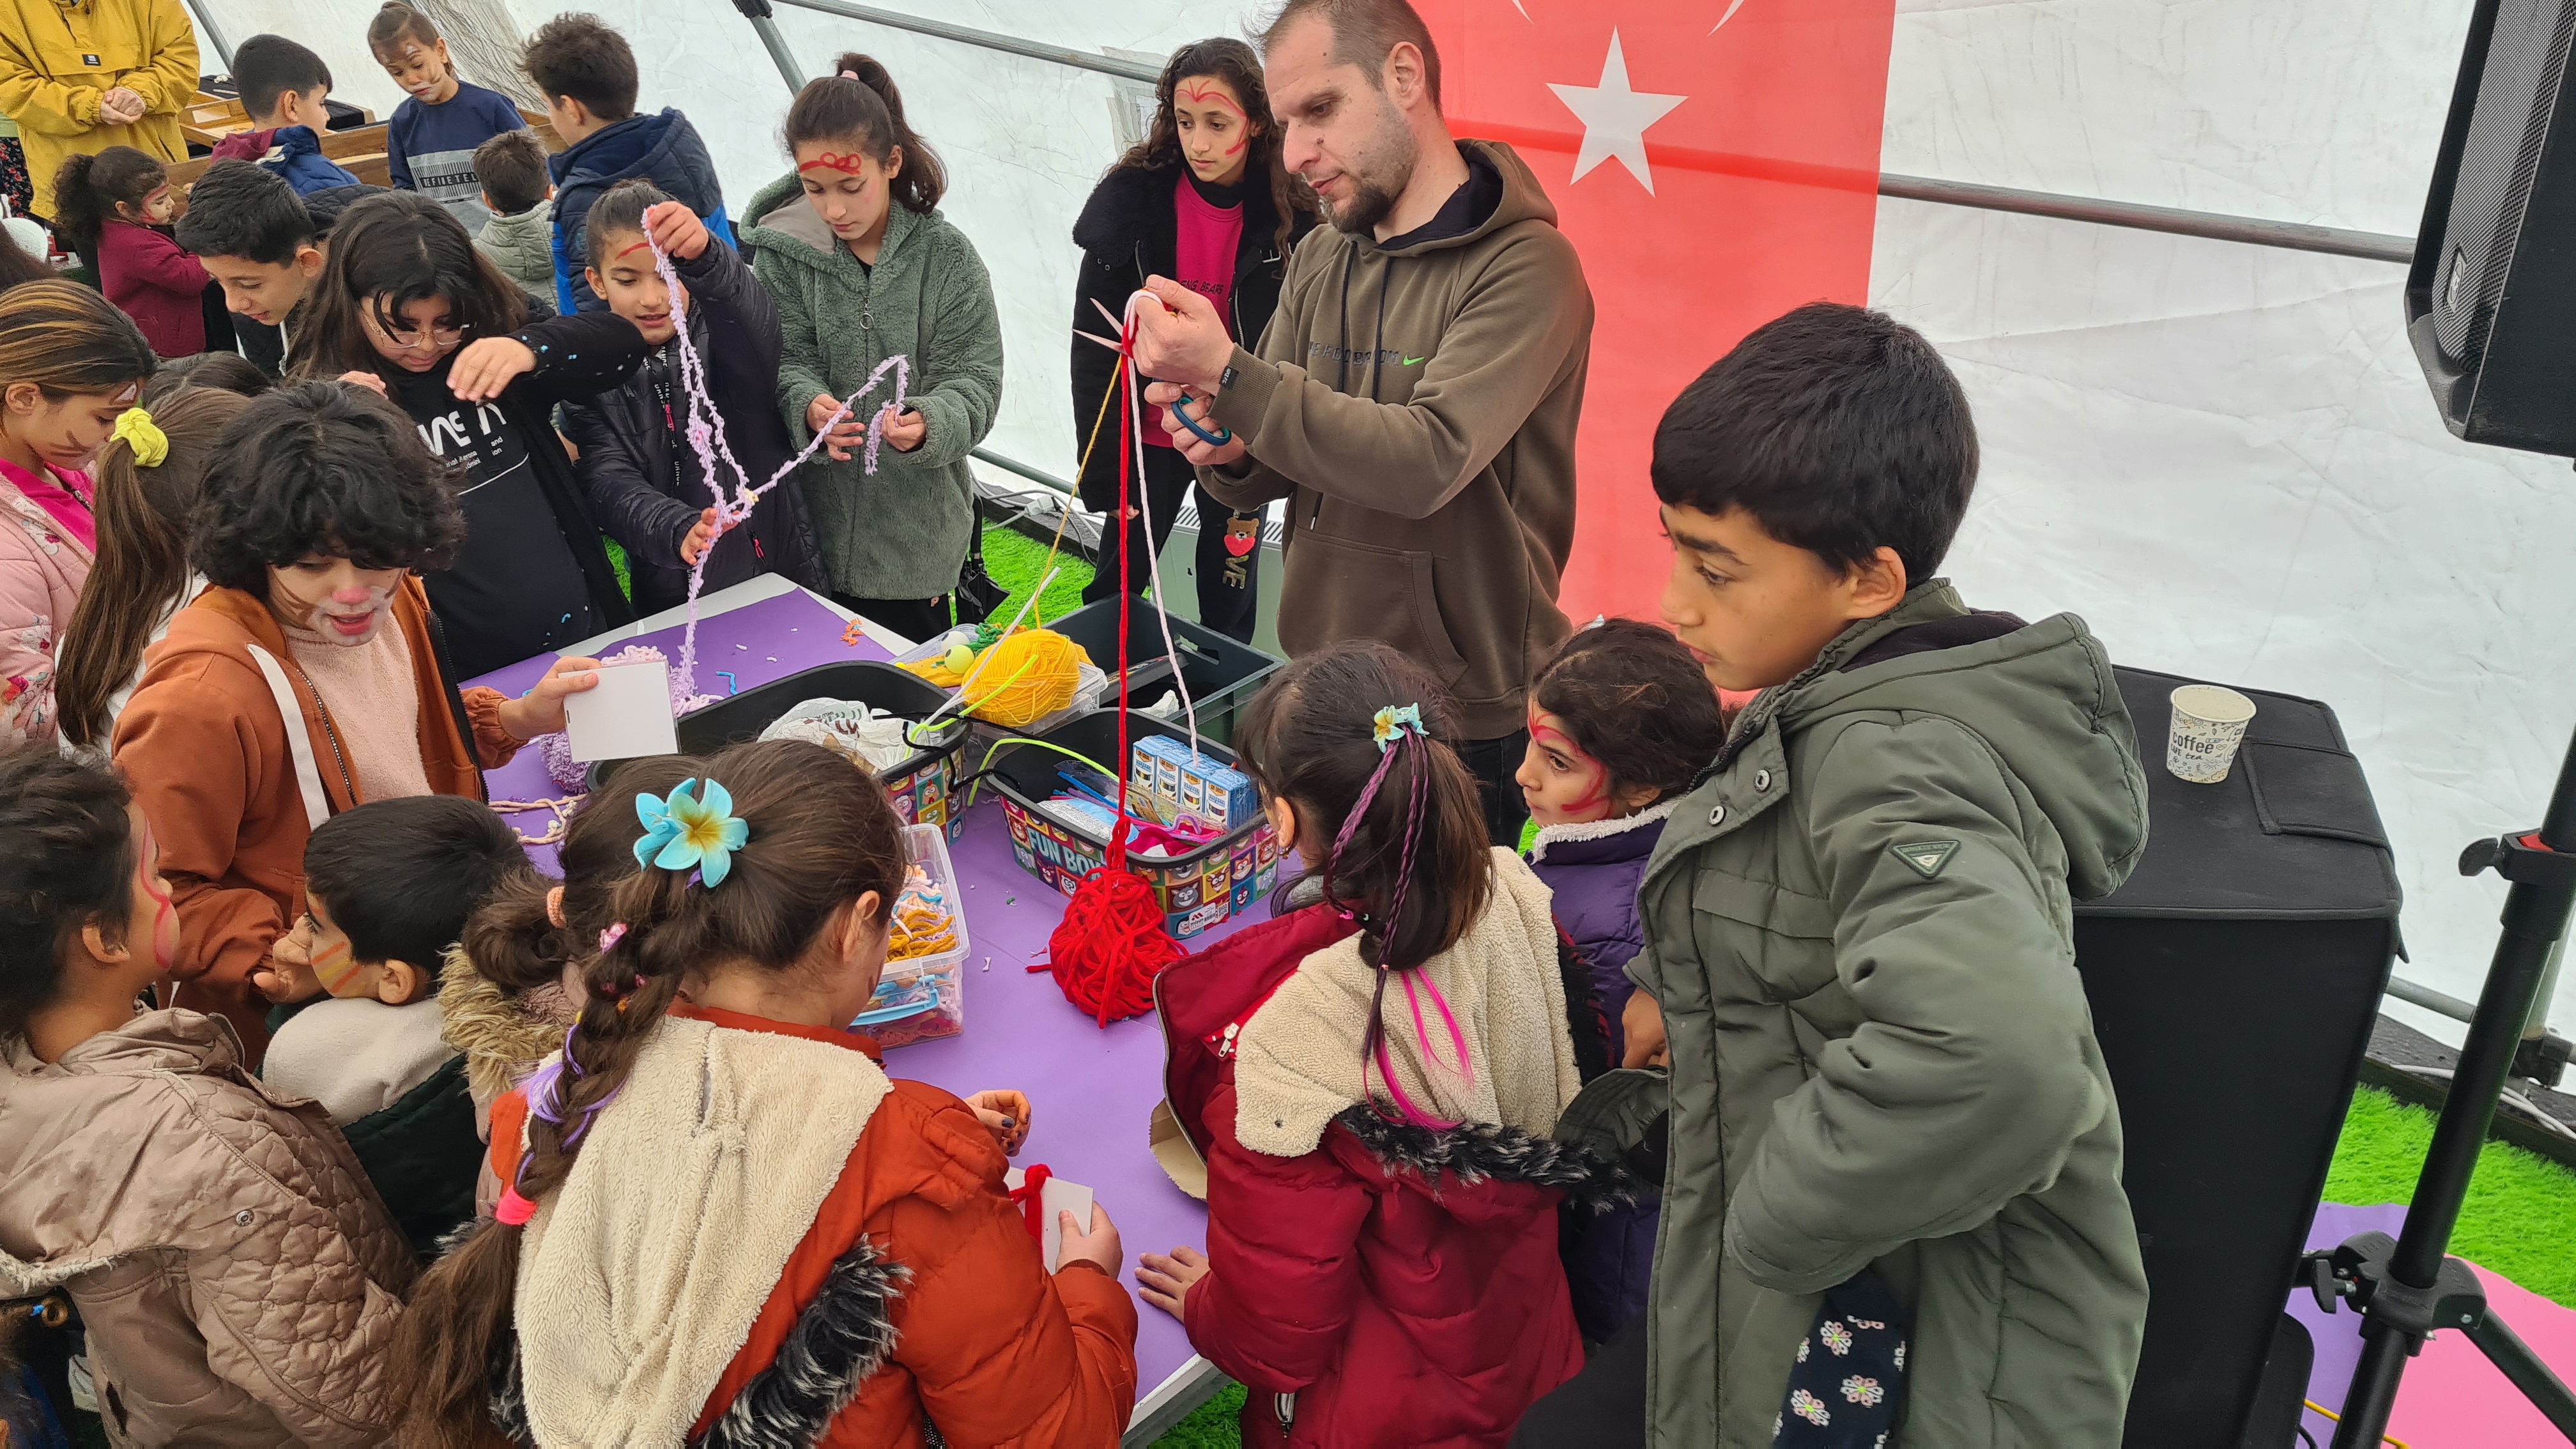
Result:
pixel 852 75
pixel 1392 722
pixel 689 833
pixel 144 437
pixel 513 1209
pixel 609 938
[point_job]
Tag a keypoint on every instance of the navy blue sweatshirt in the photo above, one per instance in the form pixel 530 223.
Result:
pixel 430 149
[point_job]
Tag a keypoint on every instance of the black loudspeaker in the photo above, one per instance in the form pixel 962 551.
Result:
pixel 2234 980
pixel 2491 298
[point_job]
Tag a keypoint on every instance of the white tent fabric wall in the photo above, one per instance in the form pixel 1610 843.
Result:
pixel 2221 456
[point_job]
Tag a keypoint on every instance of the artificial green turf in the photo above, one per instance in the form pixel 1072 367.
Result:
pixel 2520 1218
pixel 1216 1425
pixel 1017 562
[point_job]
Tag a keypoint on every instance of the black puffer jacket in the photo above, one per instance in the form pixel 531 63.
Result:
pixel 1127 233
pixel 645 486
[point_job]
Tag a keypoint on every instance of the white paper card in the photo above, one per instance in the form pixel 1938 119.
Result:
pixel 1059 1196
pixel 628 715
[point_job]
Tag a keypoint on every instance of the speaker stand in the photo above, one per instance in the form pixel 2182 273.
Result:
pixel 2406 1288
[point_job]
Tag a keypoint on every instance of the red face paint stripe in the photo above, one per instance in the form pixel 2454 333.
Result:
pixel 630 251
pixel 844 161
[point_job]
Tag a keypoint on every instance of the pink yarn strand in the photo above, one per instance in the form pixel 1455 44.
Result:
pixel 705 431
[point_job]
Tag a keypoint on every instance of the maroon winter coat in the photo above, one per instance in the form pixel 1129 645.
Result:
pixel 156 283
pixel 1396 1286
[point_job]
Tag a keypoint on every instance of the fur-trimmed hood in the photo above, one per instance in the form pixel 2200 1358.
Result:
pixel 502 1036
pixel 1625 837
pixel 1474 1153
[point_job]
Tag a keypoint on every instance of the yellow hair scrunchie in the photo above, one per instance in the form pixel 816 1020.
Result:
pixel 143 436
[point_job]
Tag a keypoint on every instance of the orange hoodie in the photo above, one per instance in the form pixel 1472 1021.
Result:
pixel 985 1344
pixel 213 765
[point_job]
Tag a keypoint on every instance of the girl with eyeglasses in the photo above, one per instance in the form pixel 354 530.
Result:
pixel 408 308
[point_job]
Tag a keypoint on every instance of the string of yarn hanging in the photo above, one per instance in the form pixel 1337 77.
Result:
pixel 1105 952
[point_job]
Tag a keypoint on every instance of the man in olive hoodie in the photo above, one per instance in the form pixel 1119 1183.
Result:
pixel 1883 1082
pixel 1415 395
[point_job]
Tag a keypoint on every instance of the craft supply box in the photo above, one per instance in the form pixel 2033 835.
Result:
pixel 927 847
pixel 1198 889
pixel 921 787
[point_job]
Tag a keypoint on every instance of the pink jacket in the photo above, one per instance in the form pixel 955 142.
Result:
pixel 41 572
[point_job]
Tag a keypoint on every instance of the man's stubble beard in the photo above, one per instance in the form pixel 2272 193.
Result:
pixel 1387 162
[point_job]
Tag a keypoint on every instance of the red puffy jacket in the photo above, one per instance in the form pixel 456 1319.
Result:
pixel 1396 1286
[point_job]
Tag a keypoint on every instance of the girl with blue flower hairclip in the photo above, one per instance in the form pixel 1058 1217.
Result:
pixel 717 1170
pixel 1371 1078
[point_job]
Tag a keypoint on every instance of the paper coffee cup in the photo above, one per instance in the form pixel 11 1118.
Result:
pixel 2208 723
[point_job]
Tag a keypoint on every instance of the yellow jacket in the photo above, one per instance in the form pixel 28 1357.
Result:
pixel 58 57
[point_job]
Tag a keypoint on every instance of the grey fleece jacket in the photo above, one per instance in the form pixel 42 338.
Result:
pixel 901 533
pixel 1417 407
pixel 1860 929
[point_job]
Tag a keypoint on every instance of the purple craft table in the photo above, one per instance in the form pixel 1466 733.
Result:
pixel 1091 1091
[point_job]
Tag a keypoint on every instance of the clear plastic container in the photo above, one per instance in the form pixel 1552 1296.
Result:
pixel 924 998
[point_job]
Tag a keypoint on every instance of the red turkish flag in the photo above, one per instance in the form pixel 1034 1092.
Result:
pixel 1715 162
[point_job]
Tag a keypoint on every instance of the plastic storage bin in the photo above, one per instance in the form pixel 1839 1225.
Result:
pixel 1222 675
pixel 1198 889
pixel 920 786
pixel 942 977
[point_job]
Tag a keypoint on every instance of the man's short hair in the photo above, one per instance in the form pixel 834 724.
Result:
pixel 512 168
pixel 268 66
pixel 577 55
pixel 400 877
pixel 243 209
pixel 1364 32
pixel 322 468
pixel 1839 429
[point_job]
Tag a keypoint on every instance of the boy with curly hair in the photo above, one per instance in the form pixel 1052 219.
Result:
pixel 308 678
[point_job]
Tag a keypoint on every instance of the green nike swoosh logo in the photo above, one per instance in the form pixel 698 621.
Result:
pixel 1410 361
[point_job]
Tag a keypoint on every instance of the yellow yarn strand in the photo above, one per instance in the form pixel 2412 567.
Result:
pixel 1065 514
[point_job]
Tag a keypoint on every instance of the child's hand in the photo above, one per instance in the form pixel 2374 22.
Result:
pixel 905 429
pixel 1643 1022
pixel 701 537
pixel 288 976
pixel 1100 1245
pixel 1166 1282
pixel 361 378
pixel 676 229
pixel 484 368
pixel 846 434
pixel 541 710
pixel 1005 1115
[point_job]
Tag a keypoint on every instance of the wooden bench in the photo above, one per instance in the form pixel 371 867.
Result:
pixel 362 150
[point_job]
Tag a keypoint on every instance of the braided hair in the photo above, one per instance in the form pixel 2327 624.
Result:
pixel 1396 835
pixel 822 836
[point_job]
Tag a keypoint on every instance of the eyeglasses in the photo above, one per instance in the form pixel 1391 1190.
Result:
pixel 435 339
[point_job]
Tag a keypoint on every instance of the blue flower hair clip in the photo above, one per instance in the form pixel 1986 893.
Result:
pixel 1394 720
pixel 689 832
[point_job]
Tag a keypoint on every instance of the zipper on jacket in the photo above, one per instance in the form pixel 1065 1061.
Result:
pixel 329 731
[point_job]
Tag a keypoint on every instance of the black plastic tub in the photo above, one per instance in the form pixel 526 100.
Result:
pixel 1222 675
pixel 920 786
pixel 1198 889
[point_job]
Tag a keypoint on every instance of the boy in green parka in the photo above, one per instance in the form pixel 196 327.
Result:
pixel 1890 1123
pixel 863 267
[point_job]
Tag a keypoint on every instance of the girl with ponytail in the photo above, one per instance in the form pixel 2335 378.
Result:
pixel 1371 1078
pixel 722 1223
pixel 117 207
pixel 852 246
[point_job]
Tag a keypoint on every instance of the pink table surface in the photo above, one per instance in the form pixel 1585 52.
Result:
pixel 1091 1091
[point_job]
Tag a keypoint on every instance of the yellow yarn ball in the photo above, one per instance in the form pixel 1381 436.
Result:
pixel 1025 678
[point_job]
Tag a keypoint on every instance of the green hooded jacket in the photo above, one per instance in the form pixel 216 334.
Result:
pixel 901 533
pixel 1860 928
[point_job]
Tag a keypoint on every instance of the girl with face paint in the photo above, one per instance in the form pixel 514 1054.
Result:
pixel 159 1101
pixel 1621 720
pixel 853 248
pixel 1204 199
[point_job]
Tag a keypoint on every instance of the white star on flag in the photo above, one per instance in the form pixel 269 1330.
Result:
pixel 1615 118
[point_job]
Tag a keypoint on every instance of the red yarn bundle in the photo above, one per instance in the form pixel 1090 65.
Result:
pixel 1105 951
